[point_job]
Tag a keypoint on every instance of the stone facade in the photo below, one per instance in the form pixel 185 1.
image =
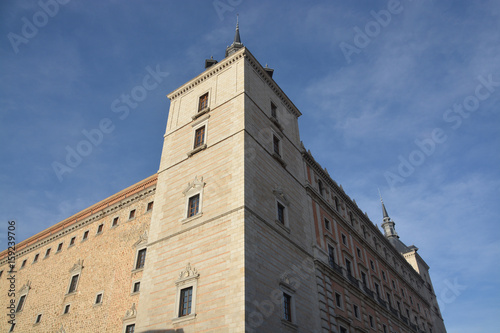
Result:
pixel 104 261
pixel 248 234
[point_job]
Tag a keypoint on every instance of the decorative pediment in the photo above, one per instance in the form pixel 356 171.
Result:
pixel 130 313
pixel 195 186
pixel 287 281
pixel 77 266
pixel 278 192
pixel 142 240
pixel 25 288
pixel 285 278
pixel 189 272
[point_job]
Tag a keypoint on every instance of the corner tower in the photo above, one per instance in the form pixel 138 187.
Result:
pixel 217 248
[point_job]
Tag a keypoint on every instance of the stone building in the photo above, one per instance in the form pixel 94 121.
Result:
pixel 241 230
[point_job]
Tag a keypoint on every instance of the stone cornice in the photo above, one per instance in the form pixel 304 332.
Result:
pixel 219 67
pixel 272 84
pixel 223 64
pixel 86 216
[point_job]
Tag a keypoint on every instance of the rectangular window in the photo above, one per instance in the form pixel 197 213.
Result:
pixel 393 284
pixel 385 328
pixel 287 307
pixel 320 187
pixel 389 299
pixel 115 222
pixel 59 247
pixel 327 224
pixel 36 258
pixel 99 228
pixel 331 256
pixel 411 300
pixel 132 214
pixel 98 299
pixel 356 310
pixel 38 318
pixel 20 304
pixel 137 287
pixel 24 263
pixel 348 266
pixel 194 205
pixel 372 265
pixel 377 290
pixel 383 276
pixel 130 328
pixel 185 301
pixel 85 235
pixel 337 205
pixel 199 137
pixel 363 279
pixel 399 306
pixel 274 114
pixel 66 309
pixel 343 329
pixel 371 322
pixel 203 104
pixel 73 284
pixel 72 241
pixel 344 239
pixel 281 213
pixel 150 206
pixel 141 259
pixel 47 253
pixel 402 292
pixel 276 145
pixel 338 300
pixel 359 252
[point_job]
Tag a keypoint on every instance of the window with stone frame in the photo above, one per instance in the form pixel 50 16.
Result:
pixel 194 199
pixel 73 283
pixel 331 256
pixel 185 303
pixel 141 259
pixel 287 307
pixel 194 205
pixel 327 224
pixel 199 137
pixel 280 213
pixel 276 145
pixel 203 102
pixel 20 303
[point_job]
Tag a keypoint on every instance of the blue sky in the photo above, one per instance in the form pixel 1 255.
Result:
pixel 398 96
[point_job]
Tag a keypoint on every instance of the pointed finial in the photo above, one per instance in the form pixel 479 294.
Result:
pixel 384 211
pixel 237 40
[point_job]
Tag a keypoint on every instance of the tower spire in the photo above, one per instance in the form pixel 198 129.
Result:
pixel 388 225
pixel 237 44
